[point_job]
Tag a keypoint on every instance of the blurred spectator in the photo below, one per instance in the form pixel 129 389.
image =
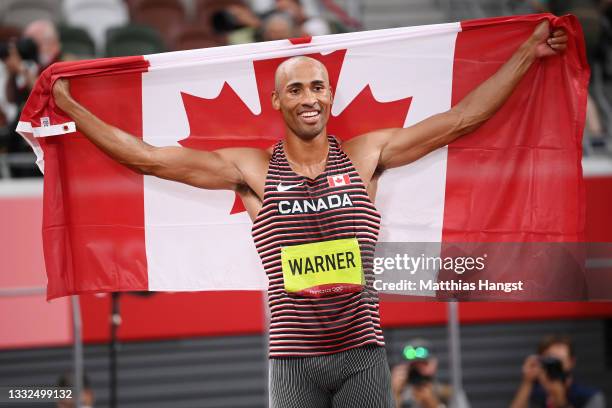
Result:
pixel 293 8
pixel 278 26
pixel 27 57
pixel 316 26
pixel 286 19
pixel 21 64
pixel 414 380
pixel 305 25
pixel 45 35
pixel 238 22
pixel 7 110
pixel 87 394
pixel 548 380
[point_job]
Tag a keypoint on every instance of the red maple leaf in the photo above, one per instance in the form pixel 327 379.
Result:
pixel 225 121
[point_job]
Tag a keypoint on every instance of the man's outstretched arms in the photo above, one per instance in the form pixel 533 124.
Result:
pixel 388 148
pixel 229 169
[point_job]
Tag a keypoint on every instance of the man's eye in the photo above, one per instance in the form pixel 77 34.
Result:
pixel 294 91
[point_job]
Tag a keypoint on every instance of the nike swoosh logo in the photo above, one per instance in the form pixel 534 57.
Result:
pixel 282 188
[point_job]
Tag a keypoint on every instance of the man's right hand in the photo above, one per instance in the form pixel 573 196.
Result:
pixel 61 92
pixel 399 376
pixel 531 368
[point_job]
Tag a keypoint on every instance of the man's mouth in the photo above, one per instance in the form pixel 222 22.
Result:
pixel 310 116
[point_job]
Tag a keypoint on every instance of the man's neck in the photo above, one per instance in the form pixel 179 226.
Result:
pixel 309 152
pixel 307 157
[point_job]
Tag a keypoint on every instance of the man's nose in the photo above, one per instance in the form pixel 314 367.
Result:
pixel 309 98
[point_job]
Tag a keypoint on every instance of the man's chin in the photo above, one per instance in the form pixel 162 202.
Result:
pixel 309 133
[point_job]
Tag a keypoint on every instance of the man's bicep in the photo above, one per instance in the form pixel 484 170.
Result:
pixel 214 170
pixel 404 145
pixel 252 163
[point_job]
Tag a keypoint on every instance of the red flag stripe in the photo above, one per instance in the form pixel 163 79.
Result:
pixel 495 163
pixel 95 221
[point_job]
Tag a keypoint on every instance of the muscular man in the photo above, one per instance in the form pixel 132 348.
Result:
pixel 314 222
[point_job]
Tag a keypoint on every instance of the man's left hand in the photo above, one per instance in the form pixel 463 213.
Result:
pixel 547 44
pixel 14 63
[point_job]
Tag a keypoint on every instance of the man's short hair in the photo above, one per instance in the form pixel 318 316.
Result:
pixel 553 339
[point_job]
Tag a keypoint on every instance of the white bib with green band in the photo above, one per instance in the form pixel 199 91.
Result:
pixel 323 268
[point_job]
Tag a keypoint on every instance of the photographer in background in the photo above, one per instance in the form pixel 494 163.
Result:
pixel 19 67
pixel 414 380
pixel 20 57
pixel 24 59
pixel 28 56
pixel 548 380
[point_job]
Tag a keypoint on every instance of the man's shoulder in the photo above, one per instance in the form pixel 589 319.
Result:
pixel 584 394
pixel 365 142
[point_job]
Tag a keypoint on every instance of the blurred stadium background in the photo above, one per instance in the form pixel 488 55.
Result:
pixel 209 349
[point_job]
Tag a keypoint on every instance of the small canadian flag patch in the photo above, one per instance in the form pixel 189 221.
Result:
pixel 339 180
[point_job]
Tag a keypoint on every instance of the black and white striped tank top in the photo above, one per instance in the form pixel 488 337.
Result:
pixel 296 212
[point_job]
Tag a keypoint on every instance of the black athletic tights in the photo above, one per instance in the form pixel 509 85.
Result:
pixel 354 378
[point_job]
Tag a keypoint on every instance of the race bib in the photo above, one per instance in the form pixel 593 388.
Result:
pixel 320 269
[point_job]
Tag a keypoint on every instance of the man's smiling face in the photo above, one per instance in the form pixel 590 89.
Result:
pixel 303 95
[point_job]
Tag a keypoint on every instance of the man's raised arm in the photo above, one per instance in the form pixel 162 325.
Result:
pixel 221 169
pixel 397 147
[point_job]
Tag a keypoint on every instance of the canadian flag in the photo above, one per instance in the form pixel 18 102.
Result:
pixel 339 180
pixel 105 228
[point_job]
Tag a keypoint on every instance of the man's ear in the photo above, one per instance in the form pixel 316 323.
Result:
pixel 331 95
pixel 275 101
